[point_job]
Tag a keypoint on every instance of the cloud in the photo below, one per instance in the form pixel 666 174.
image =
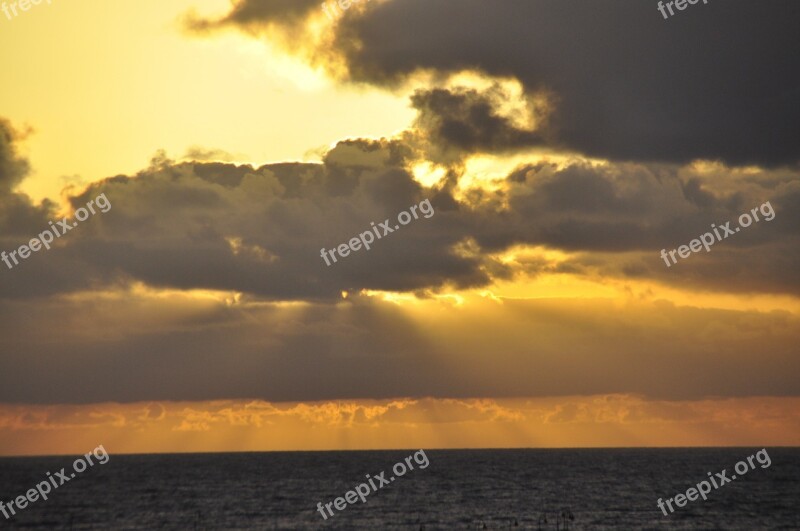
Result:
pixel 201 154
pixel 259 231
pixel 255 425
pixel 258 12
pixel 21 219
pixel 627 84
pixel 458 122
pixel 157 346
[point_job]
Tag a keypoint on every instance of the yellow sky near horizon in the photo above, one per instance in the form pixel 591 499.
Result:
pixel 254 425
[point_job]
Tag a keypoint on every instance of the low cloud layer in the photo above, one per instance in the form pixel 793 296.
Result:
pixel 255 425
pixel 155 345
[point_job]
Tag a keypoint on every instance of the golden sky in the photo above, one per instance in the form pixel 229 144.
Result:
pixel 247 426
pixel 533 309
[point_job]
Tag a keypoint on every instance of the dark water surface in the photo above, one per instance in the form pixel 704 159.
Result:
pixel 460 489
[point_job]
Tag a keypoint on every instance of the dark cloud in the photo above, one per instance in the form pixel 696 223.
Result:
pixel 716 81
pixel 201 154
pixel 622 215
pixel 258 12
pixel 134 347
pixel 259 231
pixel 457 122
pixel 21 220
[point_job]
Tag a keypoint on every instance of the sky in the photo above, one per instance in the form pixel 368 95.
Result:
pixel 563 148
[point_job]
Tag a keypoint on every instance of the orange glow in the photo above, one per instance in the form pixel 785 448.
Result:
pixel 253 425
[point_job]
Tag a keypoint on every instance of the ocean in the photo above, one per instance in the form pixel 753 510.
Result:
pixel 459 489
